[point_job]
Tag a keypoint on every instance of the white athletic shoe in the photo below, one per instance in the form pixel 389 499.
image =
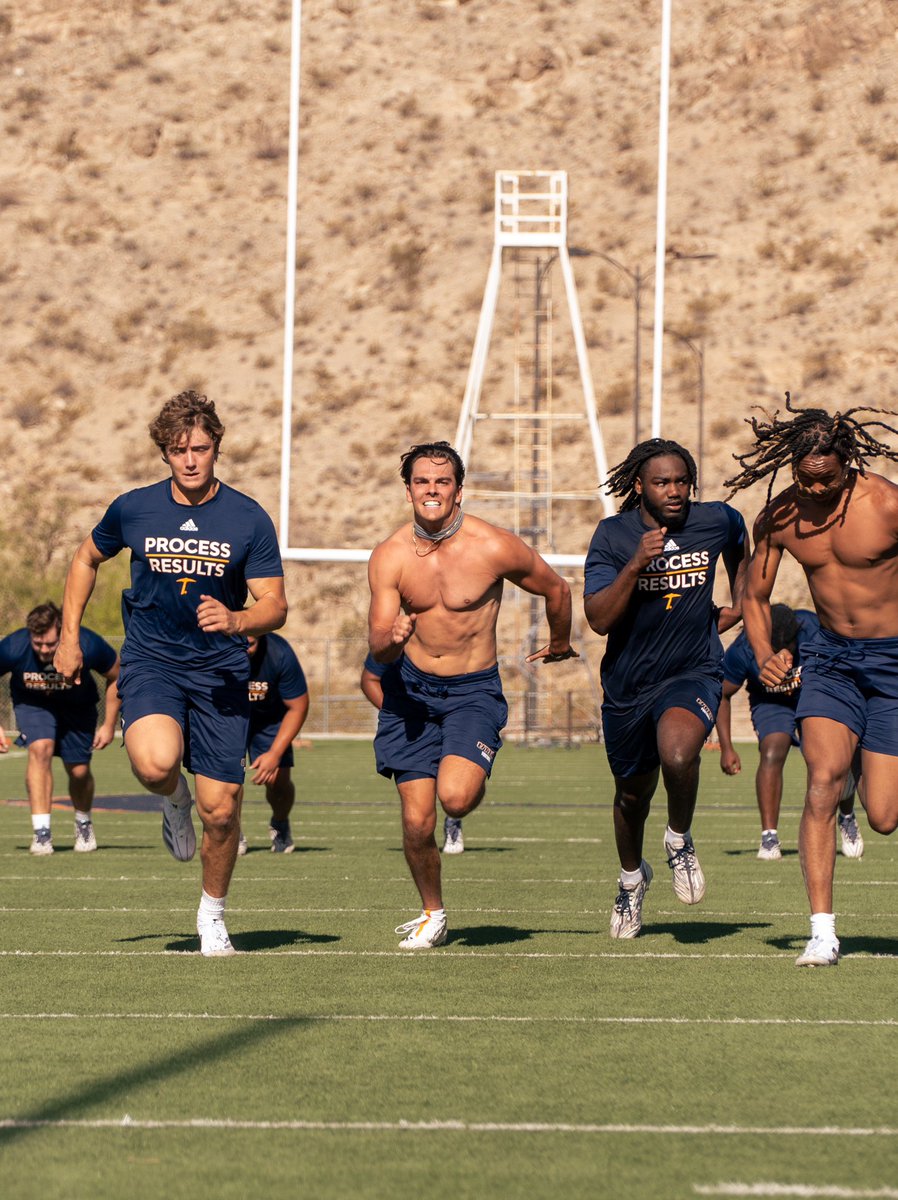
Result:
pixel 281 843
pixel 423 932
pixel 688 877
pixel 242 845
pixel 819 952
pixel 85 839
pixel 454 843
pixel 177 824
pixel 214 940
pixel 626 916
pixel 852 842
pixel 41 843
pixel 770 847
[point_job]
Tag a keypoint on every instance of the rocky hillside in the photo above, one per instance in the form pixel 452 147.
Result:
pixel 142 201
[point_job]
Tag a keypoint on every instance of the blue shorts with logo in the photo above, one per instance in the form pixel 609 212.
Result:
pixel 631 731
pixel 260 740
pixel 72 733
pixel 212 708
pixel 774 718
pixel 853 681
pixel 425 717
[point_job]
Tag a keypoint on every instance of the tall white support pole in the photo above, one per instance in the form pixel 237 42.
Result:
pixel 661 234
pixel 589 396
pixel 290 275
pixel 464 434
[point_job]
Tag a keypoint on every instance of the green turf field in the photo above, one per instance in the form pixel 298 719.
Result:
pixel 530 1056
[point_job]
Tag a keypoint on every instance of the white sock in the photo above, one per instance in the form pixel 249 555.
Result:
pixel 83 818
pixel 764 832
pixel 630 879
pixel 211 907
pixel 433 912
pixel 181 794
pixel 675 840
pixel 823 925
pixel 40 821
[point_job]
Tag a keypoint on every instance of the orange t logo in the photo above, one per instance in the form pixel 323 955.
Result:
pixel 184 582
pixel 670 597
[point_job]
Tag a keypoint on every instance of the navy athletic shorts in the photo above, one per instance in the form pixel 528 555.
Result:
pixel 212 708
pixel 853 681
pixel 631 738
pixel 774 718
pixel 260 740
pixel 425 717
pixel 71 732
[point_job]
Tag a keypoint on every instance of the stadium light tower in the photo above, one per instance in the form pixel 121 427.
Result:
pixel 531 212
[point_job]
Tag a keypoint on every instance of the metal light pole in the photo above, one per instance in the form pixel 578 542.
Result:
pixel 699 352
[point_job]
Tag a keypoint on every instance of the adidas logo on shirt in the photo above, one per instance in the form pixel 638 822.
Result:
pixel 191 527
pixel 669 545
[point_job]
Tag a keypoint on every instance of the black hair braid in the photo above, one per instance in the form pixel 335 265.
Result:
pixel 780 442
pixel 621 480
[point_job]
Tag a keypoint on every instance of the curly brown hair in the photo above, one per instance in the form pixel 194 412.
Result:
pixel 182 413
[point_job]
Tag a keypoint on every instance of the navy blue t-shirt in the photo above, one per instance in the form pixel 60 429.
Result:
pixel 275 675
pixel 739 665
pixel 40 684
pixel 180 552
pixel 668 628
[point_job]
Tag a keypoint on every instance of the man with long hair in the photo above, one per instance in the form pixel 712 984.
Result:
pixel 840 522
pixel 649 586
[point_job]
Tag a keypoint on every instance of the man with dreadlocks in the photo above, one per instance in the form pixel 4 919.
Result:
pixel 841 524
pixel 436 586
pixel 649 586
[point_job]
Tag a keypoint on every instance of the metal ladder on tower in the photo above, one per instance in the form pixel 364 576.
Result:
pixel 531 215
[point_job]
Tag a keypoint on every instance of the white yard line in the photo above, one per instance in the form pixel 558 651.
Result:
pixel 443 953
pixel 451 1126
pixel 794 1189
pixel 437 1018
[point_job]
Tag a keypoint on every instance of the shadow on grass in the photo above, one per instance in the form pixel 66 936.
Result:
pixel 296 850
pixel 468 850
pixel 488 935
pixel 701 932
pixel 256 939
pixel 117 1087
pixel 880 947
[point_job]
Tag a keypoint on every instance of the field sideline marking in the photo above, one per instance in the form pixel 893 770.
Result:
pixel 128 1122
pixel 460 880
pixel 443 954
pixel 436 1018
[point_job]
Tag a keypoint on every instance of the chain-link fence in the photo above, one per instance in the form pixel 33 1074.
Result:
pixel 558 704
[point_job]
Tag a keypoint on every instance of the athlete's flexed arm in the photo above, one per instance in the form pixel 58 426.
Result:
pixel 735 561
pixel 521 565
pixel 79 585
pixel 605 608
pixel 761 576
pixel 390 625
pixel 267 614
